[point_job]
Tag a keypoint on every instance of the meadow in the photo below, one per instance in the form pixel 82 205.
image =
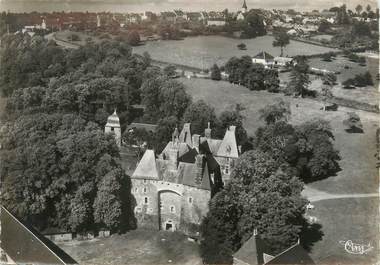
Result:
pixel 204 51
pixel 340 219
pixel 358 163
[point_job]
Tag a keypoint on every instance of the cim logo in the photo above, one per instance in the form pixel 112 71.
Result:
pixel 356 249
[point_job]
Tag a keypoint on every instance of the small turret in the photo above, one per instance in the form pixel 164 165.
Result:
pixel 208 131
pixel 113 126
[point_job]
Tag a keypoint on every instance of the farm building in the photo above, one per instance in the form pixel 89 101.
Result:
pixel 264 58
pixel 255 252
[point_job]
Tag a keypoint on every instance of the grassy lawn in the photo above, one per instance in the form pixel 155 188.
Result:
pixel 357 220
pixel 358 174
pixel 204 51
pixel 138 247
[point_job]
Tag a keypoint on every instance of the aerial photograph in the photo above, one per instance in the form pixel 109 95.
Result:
pixel 189 132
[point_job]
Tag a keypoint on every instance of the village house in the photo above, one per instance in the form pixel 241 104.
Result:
pixel 172 190
pixel 255 251
pixel 264 58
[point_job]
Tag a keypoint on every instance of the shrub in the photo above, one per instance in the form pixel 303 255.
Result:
pixel 353 123
pixel 74 37
pixel 360 80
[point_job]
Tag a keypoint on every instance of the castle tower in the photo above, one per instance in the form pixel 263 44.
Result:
pixel 113 126
pixel 244 8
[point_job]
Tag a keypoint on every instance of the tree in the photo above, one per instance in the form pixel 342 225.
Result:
pixel 328 80
pixel 235 118
pixel 139 138
pixel 368 8
pixel 133 38
pixel 279 111
pixel 199 114
pixel 215 73
pixel 281 39
pixel 299 78
pixel 254 199
pixel 242 46
pixel 108 202
pixel 359 9
pixel 170 71
pixel 253 25
pixel 353 123
pixel 324 26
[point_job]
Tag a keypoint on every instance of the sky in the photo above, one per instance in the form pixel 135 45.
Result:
pixel 160 5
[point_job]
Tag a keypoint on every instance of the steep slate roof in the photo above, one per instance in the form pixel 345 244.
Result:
pixel 187 176
pixel 24 245
pixel 147 166
pixel 293 255
pixel 264 55
pixel 252 251
pixel 228 147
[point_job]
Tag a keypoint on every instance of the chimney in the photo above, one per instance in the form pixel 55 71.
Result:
pixel 199 169
pixel 196 139
pixel 208 131
pixel 175 135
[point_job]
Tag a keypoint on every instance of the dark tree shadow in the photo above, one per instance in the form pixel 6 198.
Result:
pixel 128 219
pixel 310 234
pixel 354 130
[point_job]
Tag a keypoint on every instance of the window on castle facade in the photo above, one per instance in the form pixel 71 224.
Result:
pixel 145 180
pixel 145 190
pixel 190 200
pixel 136 190
pixel 146 200
pixel 172 209
pixel 112 129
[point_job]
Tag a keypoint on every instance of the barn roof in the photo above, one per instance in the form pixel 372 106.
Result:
pixel 264 55
pixel 296 254
pixel 252 251
pixel 25 245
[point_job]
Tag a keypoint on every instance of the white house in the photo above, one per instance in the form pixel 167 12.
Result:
pixel 264 58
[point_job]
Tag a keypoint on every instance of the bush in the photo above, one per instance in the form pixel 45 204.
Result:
pixel 242 46
pixel 360 80
pixel 74 37
pixel 133 38
pixel 215 73
pixel 353 123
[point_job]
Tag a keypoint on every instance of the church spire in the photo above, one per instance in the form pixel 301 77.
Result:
pixel 244 7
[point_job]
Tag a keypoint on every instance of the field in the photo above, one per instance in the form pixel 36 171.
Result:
pixel 203 52
pixel 357 220
pixel 138 247
pixel 358 174
pixel 341 219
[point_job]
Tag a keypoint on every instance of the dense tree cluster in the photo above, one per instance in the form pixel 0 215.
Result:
pixel 359 80
pixel 58 168
pixel 266 184
pixel 299 78
pixel 254 76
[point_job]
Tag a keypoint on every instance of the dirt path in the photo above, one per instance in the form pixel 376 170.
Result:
pixel 314 195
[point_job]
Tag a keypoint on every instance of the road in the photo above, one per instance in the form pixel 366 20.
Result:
pixel 314 195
